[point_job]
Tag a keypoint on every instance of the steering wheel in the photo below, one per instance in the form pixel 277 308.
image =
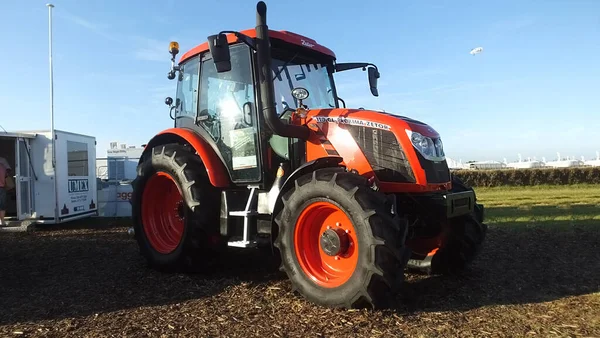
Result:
pixel 205 115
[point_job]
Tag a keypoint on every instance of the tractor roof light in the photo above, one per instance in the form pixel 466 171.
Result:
pixel 174 48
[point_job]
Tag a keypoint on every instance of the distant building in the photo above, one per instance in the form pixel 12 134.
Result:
pixel 527 164
pixel 115 173
pixel 120 163
pixel 455 165
pixel 593 163
pixel 487 165
pixel 564 162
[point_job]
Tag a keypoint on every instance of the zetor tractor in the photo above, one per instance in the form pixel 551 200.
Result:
pixel 262 155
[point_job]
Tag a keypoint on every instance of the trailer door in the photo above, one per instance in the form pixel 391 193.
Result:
pixel 23 180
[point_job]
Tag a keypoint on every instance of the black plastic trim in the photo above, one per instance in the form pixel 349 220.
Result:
pixel 435 171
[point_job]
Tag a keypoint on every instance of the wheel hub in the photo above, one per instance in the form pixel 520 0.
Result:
pixel 334 242
pixel 162 213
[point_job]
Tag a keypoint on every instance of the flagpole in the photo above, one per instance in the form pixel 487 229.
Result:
pixel 52 133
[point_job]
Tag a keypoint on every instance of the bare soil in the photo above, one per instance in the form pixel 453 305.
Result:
pixel 77 282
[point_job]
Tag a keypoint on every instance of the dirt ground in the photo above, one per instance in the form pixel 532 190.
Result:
pixel 93 283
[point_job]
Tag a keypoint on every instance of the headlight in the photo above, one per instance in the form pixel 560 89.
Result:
pixel 431 149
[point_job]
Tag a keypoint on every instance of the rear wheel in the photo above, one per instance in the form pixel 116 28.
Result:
pixel 456 246
pixel 339 243
pixel 175 210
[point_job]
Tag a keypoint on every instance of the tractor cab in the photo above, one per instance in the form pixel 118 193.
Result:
pixel 219 96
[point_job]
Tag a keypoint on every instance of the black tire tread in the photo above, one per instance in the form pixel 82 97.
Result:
pixel 200 197
pixel 384 236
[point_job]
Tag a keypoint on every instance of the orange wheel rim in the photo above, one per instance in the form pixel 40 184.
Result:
pixel 326 244
pixel 162 213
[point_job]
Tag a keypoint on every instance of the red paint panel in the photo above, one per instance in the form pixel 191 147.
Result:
pixel 285 36
pixel 315 148
pixel 216 170
pixel 345 145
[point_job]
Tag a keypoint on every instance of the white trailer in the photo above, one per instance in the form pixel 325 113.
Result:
pixel 48 194
pixel 115 174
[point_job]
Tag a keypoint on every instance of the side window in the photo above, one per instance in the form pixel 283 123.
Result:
pixel 77 158
pixel 228 113
pixel 187 90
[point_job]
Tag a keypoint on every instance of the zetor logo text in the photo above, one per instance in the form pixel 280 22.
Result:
pixel 353 122
pixel 78 185
pixel 307 44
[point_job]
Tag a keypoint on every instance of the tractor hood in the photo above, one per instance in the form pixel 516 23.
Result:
pixel 369 118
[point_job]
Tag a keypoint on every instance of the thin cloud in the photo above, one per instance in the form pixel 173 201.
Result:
pixel 145 49
pixel 451 88
pixel 89 25
pixel 151 49
pixel 513 24
pixel 352 86
pixel 421 73
pixel 158 94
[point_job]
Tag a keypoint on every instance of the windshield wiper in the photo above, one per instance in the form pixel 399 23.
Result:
pixel 283 67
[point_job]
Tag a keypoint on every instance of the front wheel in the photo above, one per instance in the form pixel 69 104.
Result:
pixel 340 245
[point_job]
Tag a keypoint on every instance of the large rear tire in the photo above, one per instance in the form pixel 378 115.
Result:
pixel 340 245
pixel 459 242
pixel 175 210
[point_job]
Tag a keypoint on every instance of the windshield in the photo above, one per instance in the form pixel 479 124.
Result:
pixel 312 76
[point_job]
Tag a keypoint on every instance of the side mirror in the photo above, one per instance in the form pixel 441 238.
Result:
pixel 168 101
pixel 219 49
pixel 373 76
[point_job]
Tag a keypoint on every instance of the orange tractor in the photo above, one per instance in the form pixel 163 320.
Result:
pixel 261 155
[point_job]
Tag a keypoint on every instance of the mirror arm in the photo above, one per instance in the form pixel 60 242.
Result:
pixel 340 67
pixel 243 38
pixel 174 68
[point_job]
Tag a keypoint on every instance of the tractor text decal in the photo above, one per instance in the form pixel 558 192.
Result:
pixel 353 122
pixel 307 44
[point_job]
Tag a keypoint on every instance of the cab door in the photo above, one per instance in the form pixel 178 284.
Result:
pixel 227 113
pixel 23 179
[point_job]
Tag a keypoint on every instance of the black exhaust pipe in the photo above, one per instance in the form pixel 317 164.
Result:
pixel 267 90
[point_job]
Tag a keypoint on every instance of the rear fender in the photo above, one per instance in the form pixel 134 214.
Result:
pixel 215 168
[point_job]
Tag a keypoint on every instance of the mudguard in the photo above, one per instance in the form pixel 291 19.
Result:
pixel 216 170
pixel 323 162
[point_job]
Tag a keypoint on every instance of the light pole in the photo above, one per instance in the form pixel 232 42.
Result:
pixel 52 134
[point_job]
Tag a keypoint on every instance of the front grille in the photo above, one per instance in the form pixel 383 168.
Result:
pixel 384 153
pixel 435 172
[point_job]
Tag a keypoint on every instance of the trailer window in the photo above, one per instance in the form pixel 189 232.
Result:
pixel 77 158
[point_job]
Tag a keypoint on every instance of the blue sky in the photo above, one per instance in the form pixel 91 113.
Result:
pixel 534 89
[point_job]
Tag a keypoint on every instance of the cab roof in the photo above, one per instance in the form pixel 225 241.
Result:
pixel 285 36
